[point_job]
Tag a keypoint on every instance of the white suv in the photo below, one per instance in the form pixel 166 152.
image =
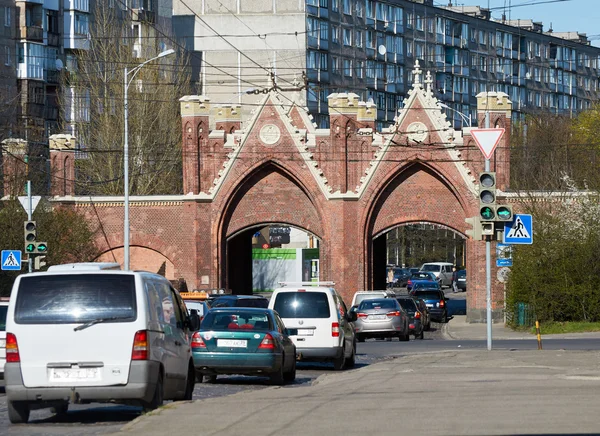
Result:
pixel 319 322
pixel 3 310
pixel 91 333
pixel 441 270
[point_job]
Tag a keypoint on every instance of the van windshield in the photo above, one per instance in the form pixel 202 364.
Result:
pixel 302 305
pixel 75 298
pixel 432 268
pixel 3 310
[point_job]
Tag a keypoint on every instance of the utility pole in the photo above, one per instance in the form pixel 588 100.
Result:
pixel 488 255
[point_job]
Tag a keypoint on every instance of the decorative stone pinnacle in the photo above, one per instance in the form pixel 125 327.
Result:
pixel 417 74
pixel 428 81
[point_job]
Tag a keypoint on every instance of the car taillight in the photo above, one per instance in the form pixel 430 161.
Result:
pixel 335 329
pixel 197 341
pixel 409 282
pixel 140 346
pixel 417 315
pixel 361 315
pixel 12 348
pixel 267 343
pixel 393 313
pixel 442 303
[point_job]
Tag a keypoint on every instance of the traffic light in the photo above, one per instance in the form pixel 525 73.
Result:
pixel 487 196
pixel 29 235
pixel 475 231
pixel 38 262
pixel 487 228
pixel 504 213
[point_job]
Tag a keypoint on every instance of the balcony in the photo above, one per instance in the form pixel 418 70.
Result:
pixel 53 39
pixel 32 33
pixel 142 15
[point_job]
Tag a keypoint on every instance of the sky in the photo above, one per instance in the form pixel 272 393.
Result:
pixel 565 15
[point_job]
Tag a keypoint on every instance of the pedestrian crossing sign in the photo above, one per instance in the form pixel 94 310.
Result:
pixel 11 260
pixel 519 231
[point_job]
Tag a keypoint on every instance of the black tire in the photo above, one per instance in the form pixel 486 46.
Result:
pixel 278 377
pixel 340 362
pixel 157 398
pixel 190 383
pixel 351 361
pixel 427 327
pixel 18 412
pixel 421 336
pixel 405 337
pixel 211 378
pixel 290 375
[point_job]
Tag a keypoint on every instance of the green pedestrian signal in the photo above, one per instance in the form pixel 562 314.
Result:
pixel 487 213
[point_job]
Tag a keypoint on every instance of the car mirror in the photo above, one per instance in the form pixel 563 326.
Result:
pixel 290 332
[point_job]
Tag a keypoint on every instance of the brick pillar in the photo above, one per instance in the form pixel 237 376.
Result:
pixel 500 109
pixel 14 167
pixel 195 111
pixel 62 165
pixel 228 117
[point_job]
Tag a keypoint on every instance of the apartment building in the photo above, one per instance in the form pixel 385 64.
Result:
pixel 371 46
pixel 8 103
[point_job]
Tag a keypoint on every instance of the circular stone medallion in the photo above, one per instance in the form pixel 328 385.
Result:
pixel 417 131
pixel 269 134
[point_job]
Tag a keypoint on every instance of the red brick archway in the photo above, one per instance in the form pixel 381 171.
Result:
pixel 346 185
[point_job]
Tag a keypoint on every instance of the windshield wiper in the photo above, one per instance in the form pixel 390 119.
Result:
pixel 97 321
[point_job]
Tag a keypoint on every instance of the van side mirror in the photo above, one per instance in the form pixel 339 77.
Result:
pixel 193 320
pixel 351 316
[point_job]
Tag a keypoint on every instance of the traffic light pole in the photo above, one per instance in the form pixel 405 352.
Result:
pixel 30 262
pixel 488 262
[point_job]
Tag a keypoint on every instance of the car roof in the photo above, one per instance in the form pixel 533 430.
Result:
pixel 438 263
pixel 240 309
pixel 238 297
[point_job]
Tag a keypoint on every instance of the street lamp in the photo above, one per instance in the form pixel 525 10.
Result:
pixel 463 116
pixel 133 72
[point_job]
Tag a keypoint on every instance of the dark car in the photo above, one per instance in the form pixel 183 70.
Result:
pixel 401 276
pixel 244 340
pixel 426 285
pixel 435 302
pixel 420 277
pixel 426 316
pixel 415 318
pixel 241 301
pixel 461 281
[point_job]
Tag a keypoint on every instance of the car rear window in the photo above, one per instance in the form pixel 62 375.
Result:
pixel 432 268
pixel 217 320
pixel 302 305
pixel 263 303
pixel 428 285
pixel 407 304
pixel 428 295
pixel 369 296
pixel 462 273
pixel 3 310
pixel 75 298
pixel 388 303
pixel 422 276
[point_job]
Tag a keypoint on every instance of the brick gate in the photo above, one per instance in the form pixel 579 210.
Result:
pixel 347 185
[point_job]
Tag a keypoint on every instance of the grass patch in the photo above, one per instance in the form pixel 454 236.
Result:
pixel 553 328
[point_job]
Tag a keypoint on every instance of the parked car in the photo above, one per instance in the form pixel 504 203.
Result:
pixel 461 281
pixel 441 270
pixel 426 316
pixel 240 301
pixel 381 317
pixel 3 311
pixel 360 296
pixel 415 325
pixel 92 333
pixel 435 302
pixel 319 322
pixel 426 285
pixel 251 341
pixel 419 277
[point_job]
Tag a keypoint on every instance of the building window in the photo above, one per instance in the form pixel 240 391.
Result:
pixel 358 39
pixel 482 37
pixel 7 16
pixel 482 63
pixel 335 5
pixel 430 26
pixel 370 70
pixel 335 65
pixel 419 22
pixel 420 51
pixel 370 9
pixel 360 65
pixel 7 60
pixel 81 24
pixel 409 48
pixel 370 39
pixel 347 67
pixel 347 7
pixel 335 34
pixel 347 37
pixel 410 17
pixel 359 9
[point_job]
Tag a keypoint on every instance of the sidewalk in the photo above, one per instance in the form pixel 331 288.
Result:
pixel 459 329
pixel 475 392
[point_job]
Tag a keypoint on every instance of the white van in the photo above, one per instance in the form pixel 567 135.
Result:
pixel 319 322
pixel 441 270
pixel 95 334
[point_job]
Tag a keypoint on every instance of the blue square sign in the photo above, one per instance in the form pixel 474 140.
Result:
pixel 519 231
pixel 11 260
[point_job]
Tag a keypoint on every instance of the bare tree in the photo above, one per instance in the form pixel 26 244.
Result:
pixel 94 98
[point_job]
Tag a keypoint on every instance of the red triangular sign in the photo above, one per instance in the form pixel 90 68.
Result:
pixel 487 140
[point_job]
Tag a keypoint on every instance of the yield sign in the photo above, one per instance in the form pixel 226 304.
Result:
pixel 487 140
pixel 35 199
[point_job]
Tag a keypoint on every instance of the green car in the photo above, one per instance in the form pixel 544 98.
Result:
pixel 249 341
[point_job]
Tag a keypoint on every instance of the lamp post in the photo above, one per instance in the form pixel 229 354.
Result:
pixel 126 82
pixel 463 116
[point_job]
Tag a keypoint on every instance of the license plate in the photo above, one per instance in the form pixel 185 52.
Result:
pixel 462 280
pixel 234 343
pixel 429 305
pixel 377 317
pixel 306 332
pixel 70 374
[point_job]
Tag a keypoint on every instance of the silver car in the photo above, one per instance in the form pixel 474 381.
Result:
pixel 382 318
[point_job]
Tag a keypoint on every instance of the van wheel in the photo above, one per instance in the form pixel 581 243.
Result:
pixel 190 384
pixel 18 412
pixel 338 362
pixel 157 399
